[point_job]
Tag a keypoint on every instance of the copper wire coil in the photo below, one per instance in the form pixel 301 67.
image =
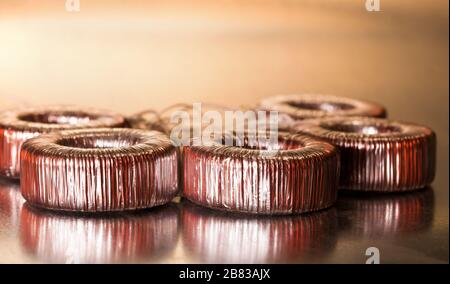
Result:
pixel 384 215
pixel 17 126
pixel 305 106
pixel 378 154
pixel 109 238
pixel 218 237
pixel 292 175
pixel 148 120
pixel 161 121
pixel 283 122
pixel 99 170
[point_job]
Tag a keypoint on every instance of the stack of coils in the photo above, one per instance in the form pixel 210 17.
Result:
pixel 325 143
pixel 17 126
pixel 94 170
pixel 293 174
pixel 378 154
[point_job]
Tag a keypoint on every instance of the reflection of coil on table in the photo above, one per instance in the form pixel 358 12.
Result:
pixel 381 215
pixel 106 238
pixel 220 237
pixel 11 202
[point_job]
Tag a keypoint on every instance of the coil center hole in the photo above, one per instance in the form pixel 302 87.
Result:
pixel 98 142
pixel 323 106
pixel 366 129
pixel 63 117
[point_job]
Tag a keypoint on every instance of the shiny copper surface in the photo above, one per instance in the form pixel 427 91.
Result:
pixel 299 174
pixel 17 126
pixel 220 237
pixel 379 154
pixel 304 106
pixel 70 238
pixel 99 169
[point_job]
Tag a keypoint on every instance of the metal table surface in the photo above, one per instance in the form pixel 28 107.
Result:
pixel 141 55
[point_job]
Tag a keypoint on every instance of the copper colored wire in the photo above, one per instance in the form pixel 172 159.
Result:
pixel 297 174
pixel 283 123
pixel 99 170
pixel 378 154
pixel 161 121
pixel 148 120
pixel 109 238
pixel 19 125
pixel 305 106
pixel 218 237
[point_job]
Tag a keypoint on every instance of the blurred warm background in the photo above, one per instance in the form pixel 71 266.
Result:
pixel 135 54
pixel 129 55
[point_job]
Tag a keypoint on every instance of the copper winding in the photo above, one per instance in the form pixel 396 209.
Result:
pixel 16 126
pixel 161 120
pixel 306 106
pixel 296 174
pixel 99 170
pixel 378 154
